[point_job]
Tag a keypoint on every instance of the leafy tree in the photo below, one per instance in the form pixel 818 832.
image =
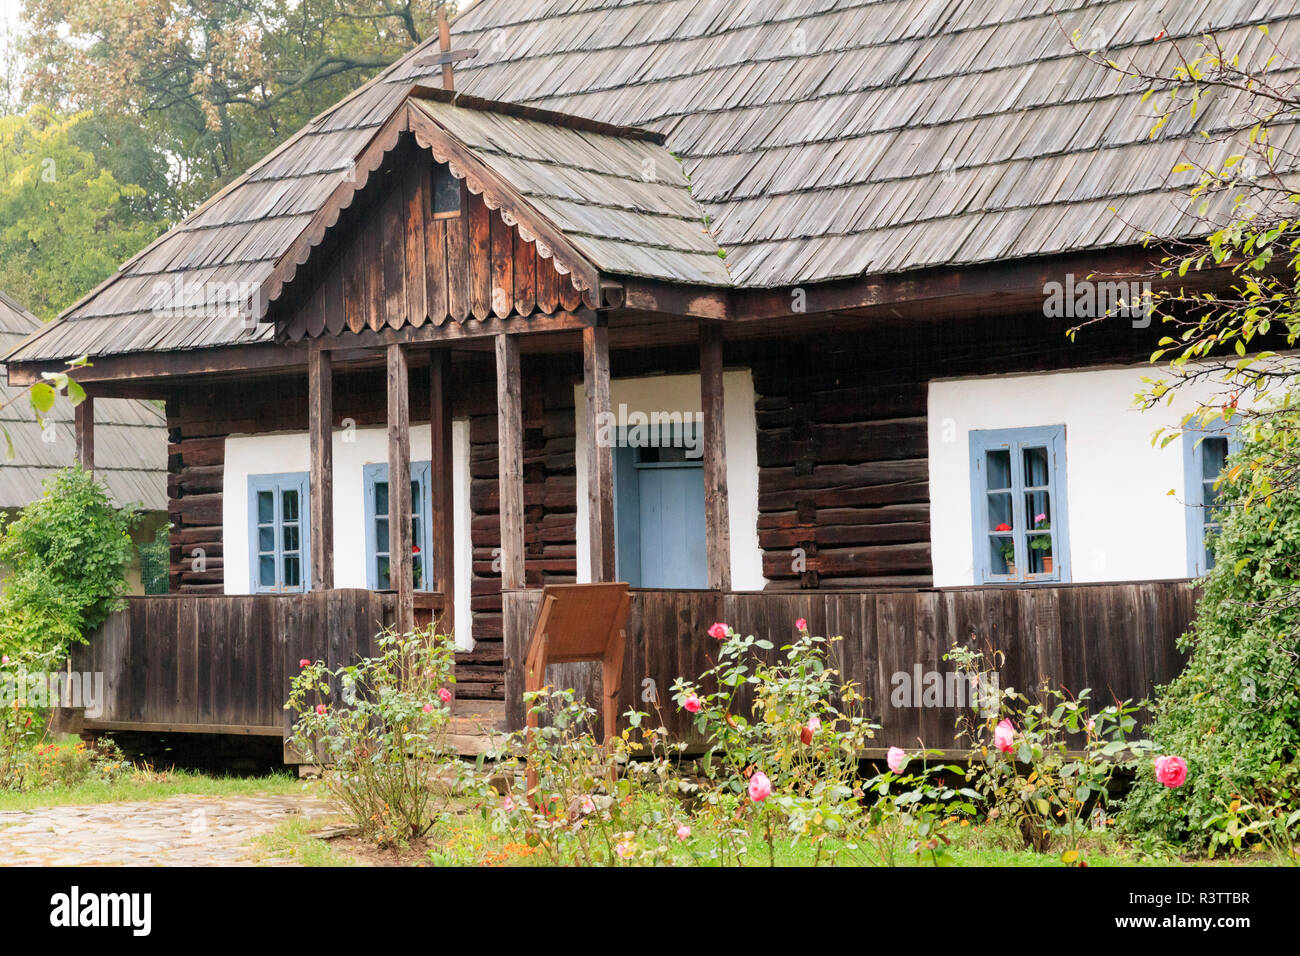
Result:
pixel 66 555
pixel 218 83
pixel 65 222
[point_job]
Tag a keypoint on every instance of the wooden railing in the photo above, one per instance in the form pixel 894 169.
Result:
pixel 222 664
pixel 1117 639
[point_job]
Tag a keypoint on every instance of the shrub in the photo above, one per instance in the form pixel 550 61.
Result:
pixel 1043 764
pixel 1234 712
pixel 380 726
pixel 66 555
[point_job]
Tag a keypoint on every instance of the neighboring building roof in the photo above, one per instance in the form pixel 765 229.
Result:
pixel 130 438
pixel 823 140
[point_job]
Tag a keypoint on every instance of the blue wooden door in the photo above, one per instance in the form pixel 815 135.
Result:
pixel 659 519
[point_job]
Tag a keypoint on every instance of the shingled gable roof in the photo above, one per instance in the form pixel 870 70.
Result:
pixel 826 139
pixel 597 199
pixel 130 438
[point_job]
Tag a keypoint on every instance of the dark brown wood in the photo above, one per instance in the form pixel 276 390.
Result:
pixel 600 453
pixel 1059 636
pixel 320 429
pixel 83 421
pixel 510 461
pixel 717 530
pixel 223 664
pixel 442 550
pixel 400 570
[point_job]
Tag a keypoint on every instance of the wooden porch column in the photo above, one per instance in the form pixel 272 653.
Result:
pixel 510 461
pixel 399 487
pixel 600 456
pixel 442 549
pixel 83 423
pixel 717 532
pixel 320 397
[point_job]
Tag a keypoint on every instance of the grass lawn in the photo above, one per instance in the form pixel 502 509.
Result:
pixel 468 841
pixel 151 785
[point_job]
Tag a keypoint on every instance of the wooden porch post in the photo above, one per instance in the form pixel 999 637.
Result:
pixel 320 392
pixel 600 455
pixel 510 461
pixel 717 532
pixel 83 423
pixel 400 572
pixel 442 549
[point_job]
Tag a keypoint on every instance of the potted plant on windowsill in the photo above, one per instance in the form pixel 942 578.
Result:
pixel 1007 549
pixel 1043 542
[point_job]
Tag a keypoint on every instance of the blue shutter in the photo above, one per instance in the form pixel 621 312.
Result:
pixel 279 533
pixel 1018 474
pixel 377 519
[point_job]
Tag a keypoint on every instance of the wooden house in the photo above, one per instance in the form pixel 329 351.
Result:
pixel 745 304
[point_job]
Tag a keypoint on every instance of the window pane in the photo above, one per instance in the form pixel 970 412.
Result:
pixel 999 469
pixel 266 538
pixel 1036 473
pixel 290 536
pixel 266 571
pixel 289 500
pixel 1000 515
pixel 292 571
pixel 415 498
pixel 381 498
pixel 383 573
pixel 417 569
pixel 1002 556
pixel 265 507
pixel 1214 455
pixel 381 535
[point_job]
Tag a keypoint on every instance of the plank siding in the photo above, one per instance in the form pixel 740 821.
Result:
pixel 1067 636
pixel 390 264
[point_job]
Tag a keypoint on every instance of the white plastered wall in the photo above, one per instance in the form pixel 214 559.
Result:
pixel 681 393
pixel 1123 523
pixel 353 448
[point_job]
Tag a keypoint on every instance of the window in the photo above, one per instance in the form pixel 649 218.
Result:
pixel 377 547
pixel 278 533
pixel 1018 505
pixel 1205 452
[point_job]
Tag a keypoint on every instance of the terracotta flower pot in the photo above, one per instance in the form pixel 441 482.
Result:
pixel 1047 564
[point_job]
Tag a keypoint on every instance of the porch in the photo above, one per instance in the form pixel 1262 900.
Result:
pixel 222 664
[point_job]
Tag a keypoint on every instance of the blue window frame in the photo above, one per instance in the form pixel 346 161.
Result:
pixel 377 547
pixel 1205 452
pixel 279 548
pixel 1018 505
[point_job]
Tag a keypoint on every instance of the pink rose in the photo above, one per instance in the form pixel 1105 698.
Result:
pixel 508 804
pixel 4 659
pixel 428 708
pixel 304 663
pixel 588 805
pixel 806 732
pixel 623 849
pixel 320 709
pixel 718 631
pixel 692 704
pixel 444 695
pixel 896 759
pixel 683 832
pixel 760 788
pixel 1004 735
pixel 1171 771
pixel 801 625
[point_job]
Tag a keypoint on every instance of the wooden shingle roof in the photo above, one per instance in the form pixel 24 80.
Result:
pixel 822 139
pixel 130 438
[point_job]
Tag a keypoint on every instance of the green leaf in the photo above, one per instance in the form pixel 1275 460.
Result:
pixel 42 397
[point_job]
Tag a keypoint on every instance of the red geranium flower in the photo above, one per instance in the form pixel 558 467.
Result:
pixel 1003 527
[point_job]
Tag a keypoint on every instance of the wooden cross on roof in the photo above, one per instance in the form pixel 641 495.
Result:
pixel 446 56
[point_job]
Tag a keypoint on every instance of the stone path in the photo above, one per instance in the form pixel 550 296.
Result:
pixel 177 831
